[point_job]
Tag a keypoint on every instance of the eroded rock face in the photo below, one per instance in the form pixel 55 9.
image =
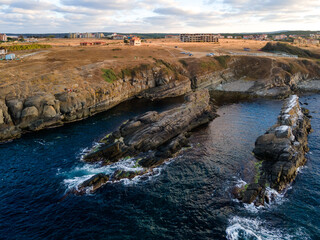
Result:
pixel 153 137
pixel 282 151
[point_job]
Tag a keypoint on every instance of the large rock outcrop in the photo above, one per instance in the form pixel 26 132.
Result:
pixel 151 138
pixel 281 151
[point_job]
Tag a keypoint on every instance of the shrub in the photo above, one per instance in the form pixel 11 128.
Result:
pixel 223 60
pixel 109 75
pixel 26 47
pixel 282 47
pixel 208 65
pixel 116 49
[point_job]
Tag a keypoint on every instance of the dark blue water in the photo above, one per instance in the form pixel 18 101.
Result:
pixel 189 198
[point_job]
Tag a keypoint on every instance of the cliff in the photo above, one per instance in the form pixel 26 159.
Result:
pixel 280 152
pixel 51 100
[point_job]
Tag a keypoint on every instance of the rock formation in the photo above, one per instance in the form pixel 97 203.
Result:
pixel 82 92
pixel 150 138
pixel 281 151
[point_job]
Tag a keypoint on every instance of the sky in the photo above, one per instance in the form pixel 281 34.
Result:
pixel 158 16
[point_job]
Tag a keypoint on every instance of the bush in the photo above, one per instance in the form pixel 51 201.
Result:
pixel 282 47
pixel 109 75
pixel 116 49
pixel 207 66
pixel 223 60
pixel 26 47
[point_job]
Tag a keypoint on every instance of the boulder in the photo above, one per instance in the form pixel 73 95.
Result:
pixel 15 107
pixel 29 113
pixel 49 112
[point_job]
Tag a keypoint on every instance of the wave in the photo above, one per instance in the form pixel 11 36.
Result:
pixel 79 174
pixel 241 228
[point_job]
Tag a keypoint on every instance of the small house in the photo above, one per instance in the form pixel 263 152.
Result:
pixel 10 56
pixel 135 41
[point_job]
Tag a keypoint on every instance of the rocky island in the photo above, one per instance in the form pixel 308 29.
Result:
pixel 149 139
pixel 280 152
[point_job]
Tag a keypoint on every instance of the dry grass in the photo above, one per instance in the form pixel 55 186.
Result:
pixel 67 63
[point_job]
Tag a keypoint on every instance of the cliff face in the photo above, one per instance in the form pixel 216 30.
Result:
pixel 46 109
pixel 46 102
pixel 258 77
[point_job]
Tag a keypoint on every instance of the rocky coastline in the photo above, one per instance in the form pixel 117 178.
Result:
pixel 149 139
pixel 25 108
pixel 279 152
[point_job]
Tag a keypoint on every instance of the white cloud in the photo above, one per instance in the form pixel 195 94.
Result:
pixel 18 16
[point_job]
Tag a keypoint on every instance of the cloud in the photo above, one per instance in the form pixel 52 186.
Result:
pixel 157 15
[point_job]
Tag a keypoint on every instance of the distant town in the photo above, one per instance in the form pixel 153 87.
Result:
pixel 8 42
pixel 311 38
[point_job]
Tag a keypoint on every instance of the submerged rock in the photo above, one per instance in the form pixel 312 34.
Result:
pixel 282 151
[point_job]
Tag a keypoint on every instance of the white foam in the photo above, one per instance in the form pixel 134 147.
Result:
pixel 246 228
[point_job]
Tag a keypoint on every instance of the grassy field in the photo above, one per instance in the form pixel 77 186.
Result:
pixel 67 63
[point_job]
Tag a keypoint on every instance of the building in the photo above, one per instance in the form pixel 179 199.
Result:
pixel 306 41
pixel 229 37
pixel 135 41
pixel 248 37
pixel 315 36
pixel 3 37
pixel 118 37
pixel 199 37
pixel 280 37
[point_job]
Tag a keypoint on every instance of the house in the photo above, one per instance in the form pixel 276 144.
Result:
pixel 118 37
pixel 10 56
pixel 229 37
pixel 306 41
pixel 280 37
pixel 135 41
pixel 3 37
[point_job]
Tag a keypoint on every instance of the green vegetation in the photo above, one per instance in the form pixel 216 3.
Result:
pixel 26 47
pixel 207 66
pixel 223 60
pixel 116 49
pixel 109 75
pixel 257 177
pixel 282 47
